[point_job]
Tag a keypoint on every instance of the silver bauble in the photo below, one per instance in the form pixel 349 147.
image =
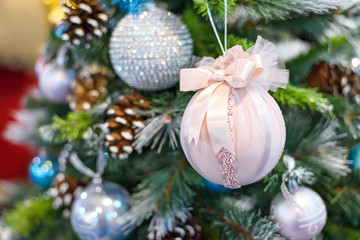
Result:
pixel 299 223
pixel 95 213
pixel 148 50
pixel 54 82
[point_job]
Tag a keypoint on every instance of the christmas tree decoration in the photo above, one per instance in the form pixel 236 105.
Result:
pixel 243 203
pixel 97 210
pixel 54 82
pixel 157 131
pixel 334 79
pixel 148 50
pixel 130 6
pixel 188 230
pixel 303 220
pixel 85 20
pixel 43 169
pixel 354 156
pixel 7 232
pixel 216 188
pixel 299 211
pixel 88 89
pixel 123 121
pixel 64 191
pixel 232 131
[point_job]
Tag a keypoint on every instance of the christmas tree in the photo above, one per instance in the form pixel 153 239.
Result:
pixel 178 120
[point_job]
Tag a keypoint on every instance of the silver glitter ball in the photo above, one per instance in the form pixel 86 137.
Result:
pixel 96 212
pixel 148 50
pixel 301 222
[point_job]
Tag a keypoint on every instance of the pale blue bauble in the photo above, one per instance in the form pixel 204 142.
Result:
pixel 96 212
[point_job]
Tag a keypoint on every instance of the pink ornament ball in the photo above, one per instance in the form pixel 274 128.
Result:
pixel 258 135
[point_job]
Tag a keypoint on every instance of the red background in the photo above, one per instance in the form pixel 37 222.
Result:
pixel 14 159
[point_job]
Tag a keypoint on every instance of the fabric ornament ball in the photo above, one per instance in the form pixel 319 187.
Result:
pixel 54 82
pixel 354 156
pixel 232 131
pixel 301 220
pixel 148 50
pixel 95 213
pixel 216 188
pixel 43 169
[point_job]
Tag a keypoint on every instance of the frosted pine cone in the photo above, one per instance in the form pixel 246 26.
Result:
pixel 85 20
pixel 334 79
pixel 190 230
pixel 88 90
pixel 64 192
pixel 123 122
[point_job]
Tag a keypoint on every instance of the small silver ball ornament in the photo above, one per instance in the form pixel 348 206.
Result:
pixel 54 82
pixel 96 211
pixel 148 50
pixel 299 223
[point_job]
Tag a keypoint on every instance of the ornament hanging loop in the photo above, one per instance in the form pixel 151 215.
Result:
pixel 223 48
pixel 61 56
pixel 290 178
pixel 101 163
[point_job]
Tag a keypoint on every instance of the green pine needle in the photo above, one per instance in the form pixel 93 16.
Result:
pixel 30 214
pixel 68 129
pixel 304 98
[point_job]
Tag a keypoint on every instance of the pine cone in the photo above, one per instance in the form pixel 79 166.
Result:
pixel 190 230
pixel 333 79
pixel 64 192
pixel 88 90
pixel 85 20
pixel 123 122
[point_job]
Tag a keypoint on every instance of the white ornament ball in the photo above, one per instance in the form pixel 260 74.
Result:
pixel 148 50
pixel 299 223
pixel 54 82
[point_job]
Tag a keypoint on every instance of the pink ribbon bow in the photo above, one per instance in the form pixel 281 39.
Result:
pixel 236 74
pixel 236 69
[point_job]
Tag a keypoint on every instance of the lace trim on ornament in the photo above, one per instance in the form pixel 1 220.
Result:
pixel 228 169
pixel 225 158
pixel 229 110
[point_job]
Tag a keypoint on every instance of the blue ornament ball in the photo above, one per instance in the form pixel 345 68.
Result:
pixel 96 212
pixel 216 188
pixel 130 6
pixel 43 169
pixel 354 156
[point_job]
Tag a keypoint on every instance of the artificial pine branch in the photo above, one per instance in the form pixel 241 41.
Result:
pixel 285 9
pixel 29 215
pixel 164 196
pixel 304 98
pixel 314 143
pixel 343 200
pixel 68 129
pixel 164 125
pixel 236 224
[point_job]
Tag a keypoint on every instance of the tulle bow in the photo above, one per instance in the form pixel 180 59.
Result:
pixel 217 77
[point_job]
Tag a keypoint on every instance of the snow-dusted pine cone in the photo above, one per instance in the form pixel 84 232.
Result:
pixel 123 121
pixel 64 191
pixel 85 20
pixel 190 230
pixel 87 90
pixel 334 79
